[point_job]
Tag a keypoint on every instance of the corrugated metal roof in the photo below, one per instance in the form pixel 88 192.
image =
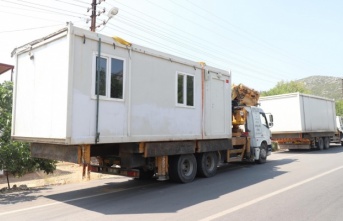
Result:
pixel 5 67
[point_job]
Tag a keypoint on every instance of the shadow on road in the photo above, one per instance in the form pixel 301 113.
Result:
pixel 20 196
pixel 142 197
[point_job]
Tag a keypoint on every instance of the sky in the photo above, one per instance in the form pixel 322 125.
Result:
pixel 261 42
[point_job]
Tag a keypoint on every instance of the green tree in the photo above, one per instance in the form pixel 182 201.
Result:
pixel 339 108
pixel 284 87
pixel 15 156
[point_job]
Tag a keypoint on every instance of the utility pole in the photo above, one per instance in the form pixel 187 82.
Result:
pixel 93 16
pixel 110 15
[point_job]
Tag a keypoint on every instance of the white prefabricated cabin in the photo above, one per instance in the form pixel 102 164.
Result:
pixel 300 113
pixel 144 94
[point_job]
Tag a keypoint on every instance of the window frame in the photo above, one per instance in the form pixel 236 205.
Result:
pixel 264 120
pixel 185 75
pixel 108 77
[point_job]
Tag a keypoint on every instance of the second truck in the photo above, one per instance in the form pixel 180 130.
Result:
pixel 302 121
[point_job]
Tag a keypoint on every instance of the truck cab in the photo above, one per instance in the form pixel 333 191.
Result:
pixel 257 127
pixel 338 138
pixel 250 120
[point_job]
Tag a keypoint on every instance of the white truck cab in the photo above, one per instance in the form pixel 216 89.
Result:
pixel 257 127
pixel 338 138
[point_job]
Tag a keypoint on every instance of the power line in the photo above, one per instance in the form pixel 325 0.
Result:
pixel 248 34
pixel 184 42
pixel 199 25
pixel 28 16
pixel 81 2
pixel 192 47
pixel 29 29
pixel 193 43
pixel 218 58
pixel 192 56
pixel 49 7
pixel 45 10
pixel 65 2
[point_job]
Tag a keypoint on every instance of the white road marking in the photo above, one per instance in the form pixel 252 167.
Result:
pixel 71 200
pixel 249 203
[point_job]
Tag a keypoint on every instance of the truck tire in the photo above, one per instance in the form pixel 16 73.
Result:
pixel 320 144
pixel 207 164
pixel 326 142
pixel 182 168
pixel 263 154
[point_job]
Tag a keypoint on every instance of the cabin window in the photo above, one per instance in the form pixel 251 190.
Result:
pixel 111 83
pixel 117 71
pixel 102 75
pixel 185 89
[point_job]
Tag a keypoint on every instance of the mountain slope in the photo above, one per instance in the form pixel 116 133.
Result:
pixel 324 86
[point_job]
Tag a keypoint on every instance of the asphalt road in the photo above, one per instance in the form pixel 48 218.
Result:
pixel 301 185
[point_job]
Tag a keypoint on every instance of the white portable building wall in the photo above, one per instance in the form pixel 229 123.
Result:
pixel 41 91
pixel 300 113
pixel 55 101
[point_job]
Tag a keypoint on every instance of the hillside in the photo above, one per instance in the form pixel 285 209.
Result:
pixel 324 86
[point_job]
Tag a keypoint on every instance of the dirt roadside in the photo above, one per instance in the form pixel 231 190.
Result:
pixel 65 173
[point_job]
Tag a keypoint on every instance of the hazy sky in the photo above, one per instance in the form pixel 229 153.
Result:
pixel 262 42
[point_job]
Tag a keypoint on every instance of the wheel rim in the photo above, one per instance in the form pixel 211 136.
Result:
pixel 320 143
pixel 209 163
pixel 187 168
pixel 327 143
pixel 263 153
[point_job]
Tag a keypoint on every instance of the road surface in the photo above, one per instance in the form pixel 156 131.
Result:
pixel 301 185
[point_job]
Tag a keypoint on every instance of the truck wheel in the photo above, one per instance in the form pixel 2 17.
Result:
pixel 320 143
pixel 263 154
pixel 326 142
pixel 207 164
pixel 182 168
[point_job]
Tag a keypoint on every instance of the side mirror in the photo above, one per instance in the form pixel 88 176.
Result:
pixel 271 119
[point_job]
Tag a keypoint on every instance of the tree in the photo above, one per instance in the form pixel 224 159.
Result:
pixel 284 87
pixel 15 156
pixel 339 108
